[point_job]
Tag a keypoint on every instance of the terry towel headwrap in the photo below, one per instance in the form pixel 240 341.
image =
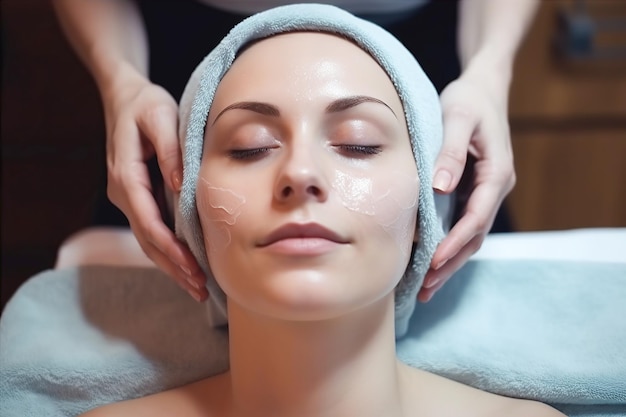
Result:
pixel 418 97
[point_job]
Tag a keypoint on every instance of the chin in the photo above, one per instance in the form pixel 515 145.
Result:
pixel 312 296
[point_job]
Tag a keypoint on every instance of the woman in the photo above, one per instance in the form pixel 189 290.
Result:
pixel 307 198
pixel 120 41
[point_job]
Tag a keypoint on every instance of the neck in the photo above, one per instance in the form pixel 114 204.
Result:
pixel 329 368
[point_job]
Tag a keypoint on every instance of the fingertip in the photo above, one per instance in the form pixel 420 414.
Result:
pixel 199 295
pixel 442 255
pixel 425 295
pixel 442 180
pixel 171 167
pixel 437 266
pixel 196 296
pixel 177 180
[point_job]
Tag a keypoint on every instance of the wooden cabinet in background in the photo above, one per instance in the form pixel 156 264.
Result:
pixel 568 124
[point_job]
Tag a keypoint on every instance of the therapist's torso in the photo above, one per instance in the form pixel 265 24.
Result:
pixel 375 7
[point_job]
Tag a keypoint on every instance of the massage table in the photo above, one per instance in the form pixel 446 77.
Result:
pixel 539 315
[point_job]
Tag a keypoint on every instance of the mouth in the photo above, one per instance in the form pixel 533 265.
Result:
pixel 295 231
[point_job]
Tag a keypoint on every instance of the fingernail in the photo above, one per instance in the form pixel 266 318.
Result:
pixel 193 283
pixel 195 296
pixel 177 180
pixel 432 282
pixel 442 180
pixel 440 264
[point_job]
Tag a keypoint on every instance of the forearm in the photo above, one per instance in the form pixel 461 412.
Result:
pixel 109 37
pixel 490 33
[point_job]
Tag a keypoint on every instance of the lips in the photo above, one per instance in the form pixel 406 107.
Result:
pixel 302 231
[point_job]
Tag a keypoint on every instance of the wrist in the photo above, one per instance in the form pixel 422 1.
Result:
pixel 491 69
pixel 112 70
pixel 120 80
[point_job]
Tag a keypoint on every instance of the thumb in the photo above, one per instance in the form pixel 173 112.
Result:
pixel 458 127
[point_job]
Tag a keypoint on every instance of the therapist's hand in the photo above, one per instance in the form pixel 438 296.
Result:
pixel 141 119
pixel 474 123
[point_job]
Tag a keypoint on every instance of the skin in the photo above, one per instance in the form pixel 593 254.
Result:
pixel 304 339
pixel 305 147
pixel 141 120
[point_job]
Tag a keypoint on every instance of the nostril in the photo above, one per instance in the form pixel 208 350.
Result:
pixel 313 190
pixel 287 191
pixel 300 191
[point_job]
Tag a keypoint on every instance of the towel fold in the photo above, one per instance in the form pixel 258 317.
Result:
pixel 554 331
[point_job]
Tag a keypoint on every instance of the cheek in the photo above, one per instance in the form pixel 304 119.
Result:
pixel 390 200
pixel 218 209
pixel 397 210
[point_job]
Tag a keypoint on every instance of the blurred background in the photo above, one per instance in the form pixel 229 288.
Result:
pixel 567 114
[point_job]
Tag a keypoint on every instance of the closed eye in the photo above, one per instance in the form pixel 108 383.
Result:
pixel 248 154
pixel 359 150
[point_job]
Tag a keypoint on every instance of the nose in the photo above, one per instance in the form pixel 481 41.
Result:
pixel 301 176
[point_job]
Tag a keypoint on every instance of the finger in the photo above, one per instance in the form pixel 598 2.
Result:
pixel 166 242
pixel 150 232
pixel 126 165
pixel 197 292
pixel 128 185
pixel 475 220
pixel 138 203
pixel 435 279
pixel 159 125
pixel 149 227
pixel 458 126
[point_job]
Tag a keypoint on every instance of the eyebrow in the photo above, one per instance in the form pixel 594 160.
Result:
pixel 336 106
pixel 352 101
pixel 255 106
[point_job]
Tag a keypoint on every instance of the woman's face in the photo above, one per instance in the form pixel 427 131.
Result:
pixel 308 188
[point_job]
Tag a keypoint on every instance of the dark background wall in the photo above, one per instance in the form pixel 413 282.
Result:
pixel 52 141
pixel 568 120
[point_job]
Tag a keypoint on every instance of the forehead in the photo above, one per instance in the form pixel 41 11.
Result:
pixel 306 65
pixel 305 43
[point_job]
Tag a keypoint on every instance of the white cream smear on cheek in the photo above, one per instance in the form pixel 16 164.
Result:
pixel 221 207
pixel 391 203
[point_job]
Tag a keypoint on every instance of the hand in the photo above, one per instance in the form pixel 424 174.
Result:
pixel 141 118
pixel 475 123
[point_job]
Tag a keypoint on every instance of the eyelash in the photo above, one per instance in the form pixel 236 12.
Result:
pixel 364 150
pixel 350 150
pixel 247 154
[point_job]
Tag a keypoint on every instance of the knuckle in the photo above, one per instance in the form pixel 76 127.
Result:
pixel 458 111
pixel 476 243
pixel 150 229
pixel 456 155
pixel 167 154
pixel 157 112
pixel 507 176
pixel 512 180
pixel 481 224
pixel 114 195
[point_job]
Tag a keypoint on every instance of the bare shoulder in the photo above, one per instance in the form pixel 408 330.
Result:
pixel 436 392
pixel 109 410
pixel 204 398
pixel 151 405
